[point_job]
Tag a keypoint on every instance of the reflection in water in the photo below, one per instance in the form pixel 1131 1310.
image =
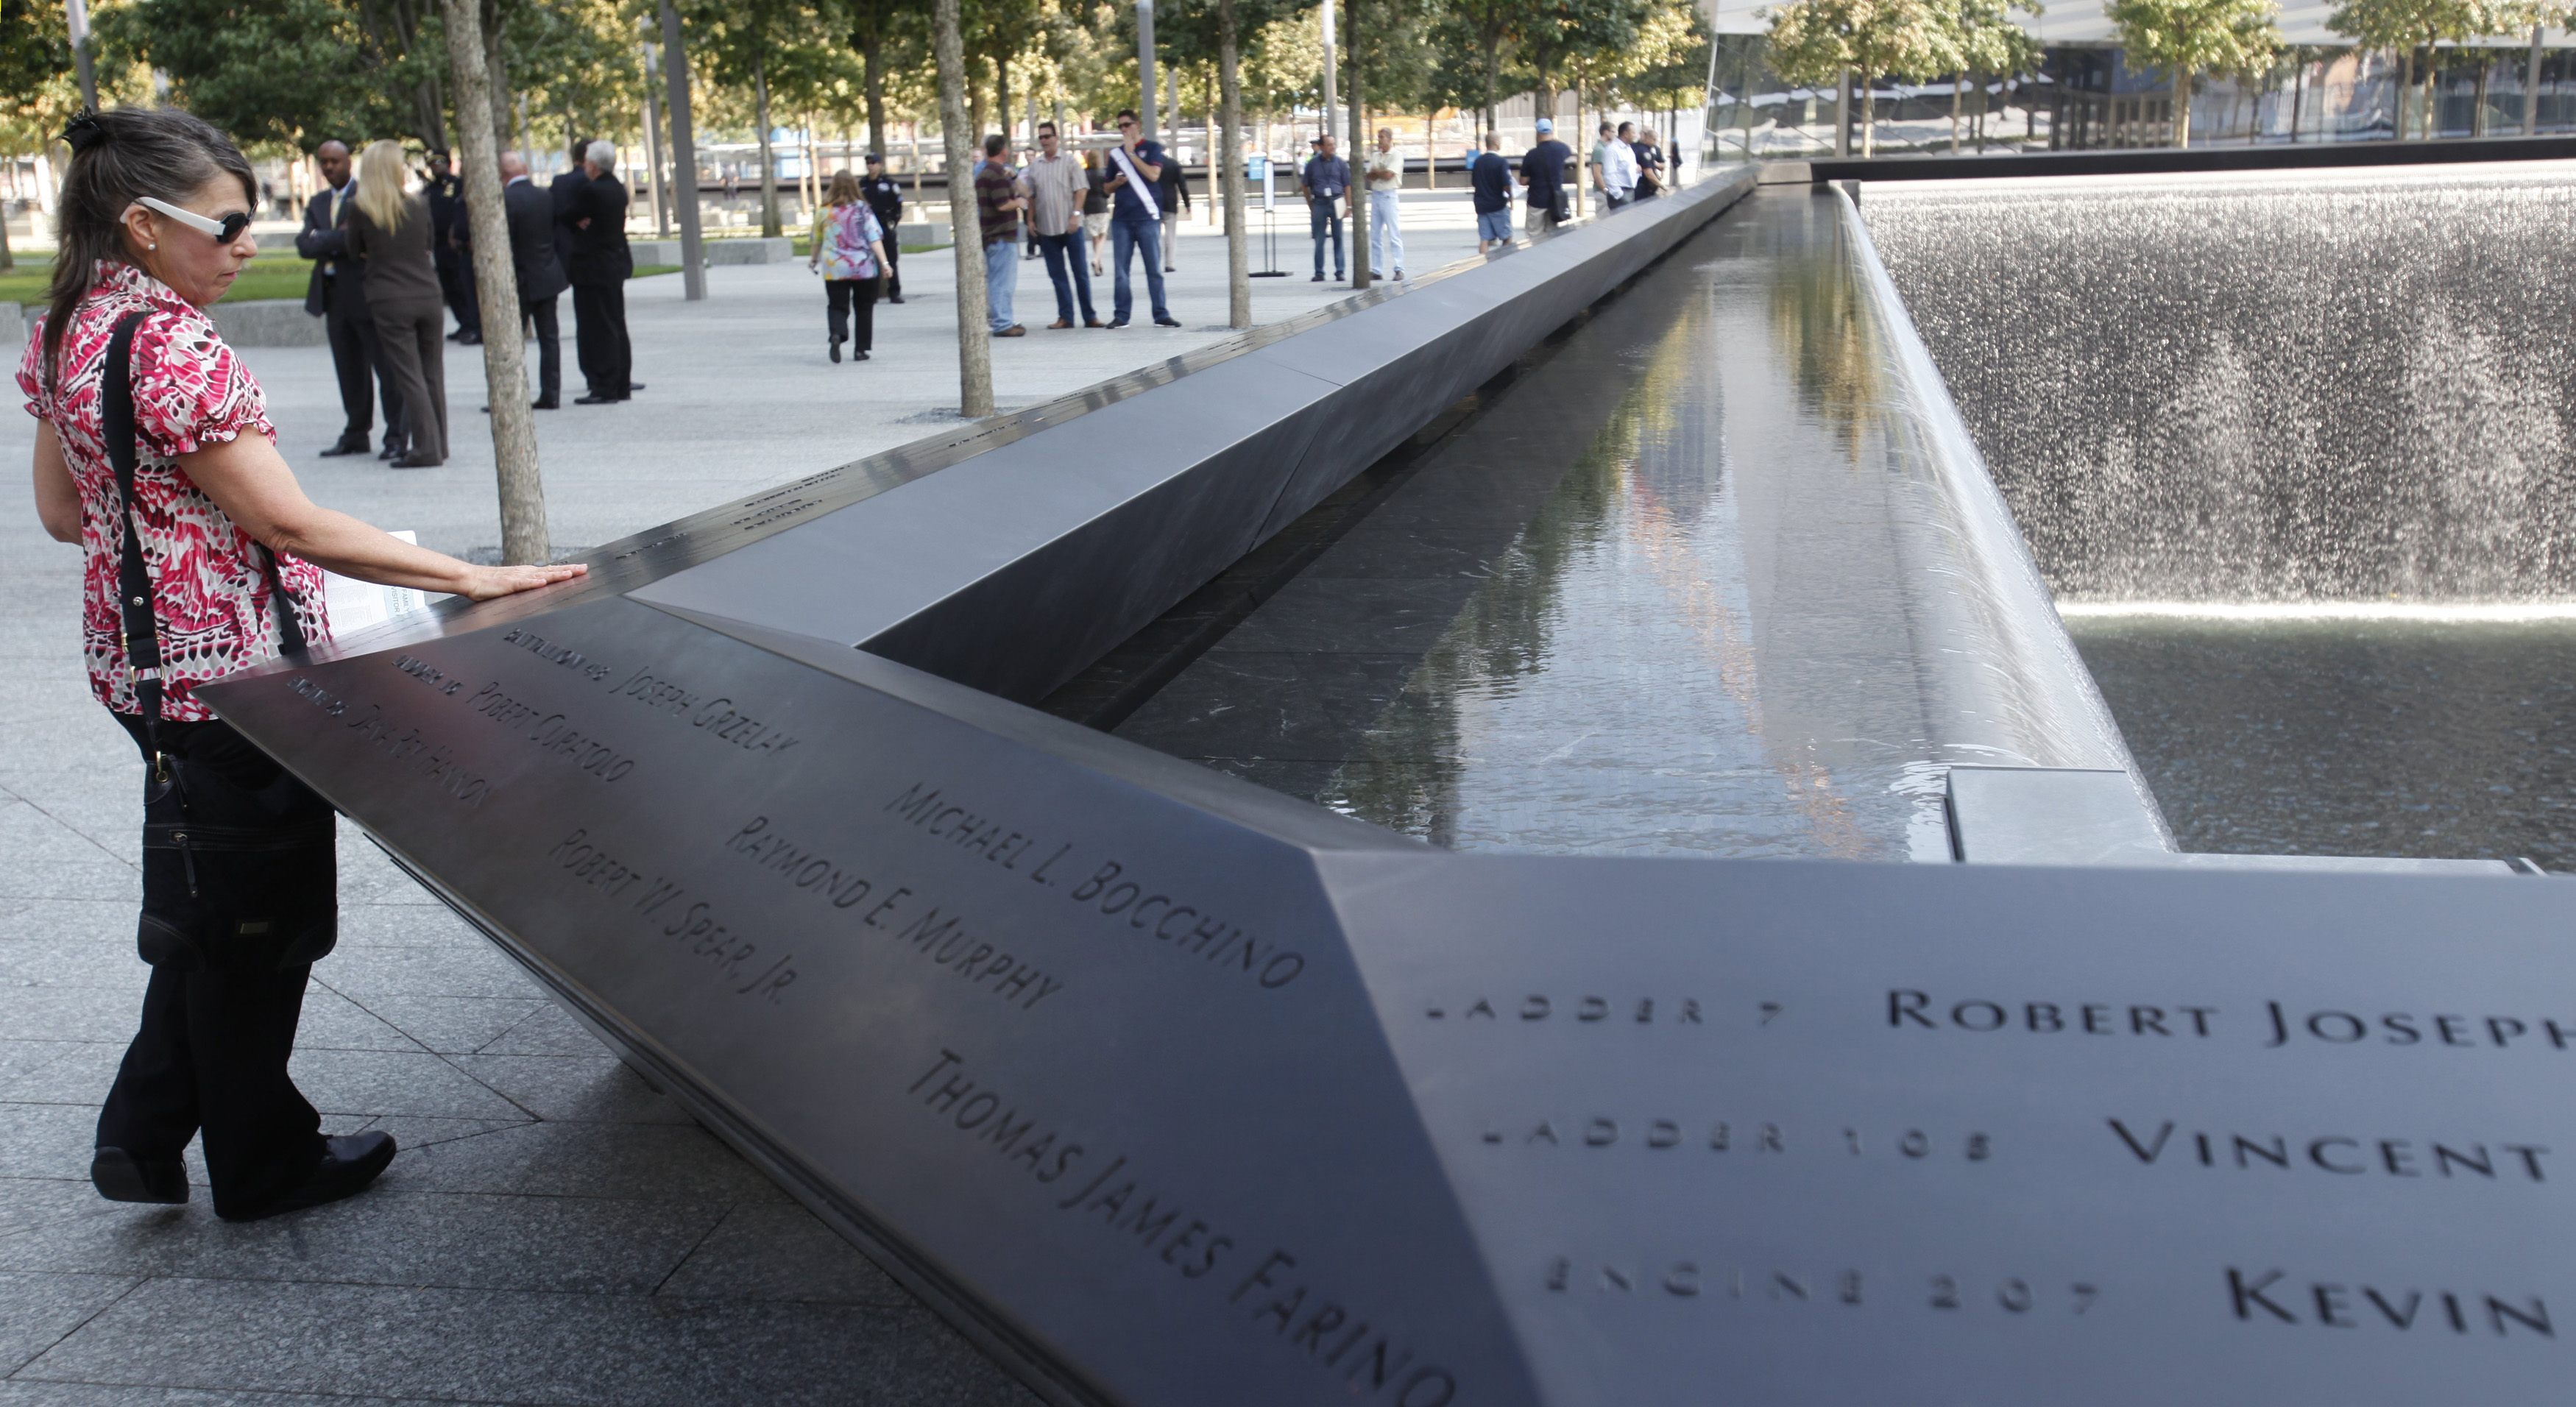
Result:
pixel 2343 737
pixel 1600 691
pixel 1700 583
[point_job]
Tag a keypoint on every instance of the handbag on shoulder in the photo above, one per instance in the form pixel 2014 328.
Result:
pixel 240 870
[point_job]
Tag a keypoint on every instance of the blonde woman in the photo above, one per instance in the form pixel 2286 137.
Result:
pixel 849 249
pixel 389 237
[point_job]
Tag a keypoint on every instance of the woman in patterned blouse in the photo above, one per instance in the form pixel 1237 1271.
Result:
pixel 154 222
pixel 849 248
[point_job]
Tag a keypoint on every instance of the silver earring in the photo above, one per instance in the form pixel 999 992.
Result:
pixel 152 246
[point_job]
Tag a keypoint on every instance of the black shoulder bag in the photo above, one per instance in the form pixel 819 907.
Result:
pixel 239 867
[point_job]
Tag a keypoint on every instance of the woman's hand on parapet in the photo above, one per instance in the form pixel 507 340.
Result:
pixel 484 583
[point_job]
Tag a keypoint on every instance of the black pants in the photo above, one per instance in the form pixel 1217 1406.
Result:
pixel 356 357
pixel 848 300
pixel 541 312
pixel 599 337
pixel 211 1052
pixel 456 283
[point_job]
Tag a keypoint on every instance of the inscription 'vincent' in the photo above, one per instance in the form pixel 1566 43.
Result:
pixel 2337 1153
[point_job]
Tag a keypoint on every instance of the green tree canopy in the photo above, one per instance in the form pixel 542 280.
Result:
pixel 2189 37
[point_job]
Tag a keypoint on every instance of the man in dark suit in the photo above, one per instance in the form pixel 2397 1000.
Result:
pixel 599 268
pixel 541 272
pixel 335 295
pixel 565 187
pixel 449 240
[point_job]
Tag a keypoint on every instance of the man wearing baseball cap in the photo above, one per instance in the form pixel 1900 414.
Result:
pixel 1543 171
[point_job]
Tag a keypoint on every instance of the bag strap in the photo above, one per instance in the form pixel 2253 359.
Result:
pixel 142 634
pixel 133 579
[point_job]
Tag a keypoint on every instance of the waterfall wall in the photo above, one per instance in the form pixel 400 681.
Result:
pixel 2266 386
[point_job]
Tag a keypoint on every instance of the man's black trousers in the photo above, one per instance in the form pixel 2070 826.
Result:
pixel 356 356
pixel 541 312
pixel 599 335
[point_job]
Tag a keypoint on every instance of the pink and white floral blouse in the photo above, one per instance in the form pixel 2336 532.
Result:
pixel 210 595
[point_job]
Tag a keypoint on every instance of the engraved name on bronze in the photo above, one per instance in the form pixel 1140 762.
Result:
pixel 943 938
pixel 417 752
pixel 2345 1155
pixel 1111 890
pixel 2271 1296
pixel 1371 1361
pixel 552 734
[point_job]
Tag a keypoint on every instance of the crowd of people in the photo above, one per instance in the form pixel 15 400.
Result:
pixel 1129 196
pixel 392 257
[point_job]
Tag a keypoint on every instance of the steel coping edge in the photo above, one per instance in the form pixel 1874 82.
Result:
pixel 2000 653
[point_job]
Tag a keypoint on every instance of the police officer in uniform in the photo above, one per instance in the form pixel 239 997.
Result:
pixel 885 197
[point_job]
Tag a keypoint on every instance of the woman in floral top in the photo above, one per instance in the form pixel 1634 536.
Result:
pixel 848 248
pixel 154 226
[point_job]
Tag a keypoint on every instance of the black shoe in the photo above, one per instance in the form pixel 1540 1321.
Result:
pixel 545 403
pixel 345 447
pixel 348 1165
pixel 596 399
pixel 469 339
pixel 861 356
pixel 1117 323
pixel 1319 278
pixel 394 449
pixel 119 1176
pixel 895 298
pixel 1167 322
pixel 836 351
pixel 631 388
pixel 413 461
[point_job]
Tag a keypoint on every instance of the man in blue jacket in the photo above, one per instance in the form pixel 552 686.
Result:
pixel 1491 178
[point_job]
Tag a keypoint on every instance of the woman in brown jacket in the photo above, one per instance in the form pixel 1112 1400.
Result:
pixel 389 232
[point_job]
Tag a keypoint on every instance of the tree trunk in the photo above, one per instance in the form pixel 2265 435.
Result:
pixel 684 155
pixel 1582 166
pixel 768 157
pixel 496 293
pixel 653 150
pixel 2531 88
pixel 2405 86
pixel 974 347
pixel 2478 107
pixel 496 74
pixel 1493 78
pixel 1430 150
pixel 976 111
pixel 2182 107
pixel 1229 159
pixel 1002 96
pixel 1358 98
pixel 1868 116
pixel 872 63
pixel 1958 100
pixel 2298 97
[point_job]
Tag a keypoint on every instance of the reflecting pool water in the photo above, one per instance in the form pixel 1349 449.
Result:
pixel 2350 737
pixel 1694 583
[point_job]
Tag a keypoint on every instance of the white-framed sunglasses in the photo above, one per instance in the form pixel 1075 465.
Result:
pixel 225 230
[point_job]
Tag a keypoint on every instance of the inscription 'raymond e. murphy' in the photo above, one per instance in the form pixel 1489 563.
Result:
pixel 945 940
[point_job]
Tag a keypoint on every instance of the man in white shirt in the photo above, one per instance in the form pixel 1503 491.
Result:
pixel 1615 166
pixel 1056 187
pixel 1385 179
